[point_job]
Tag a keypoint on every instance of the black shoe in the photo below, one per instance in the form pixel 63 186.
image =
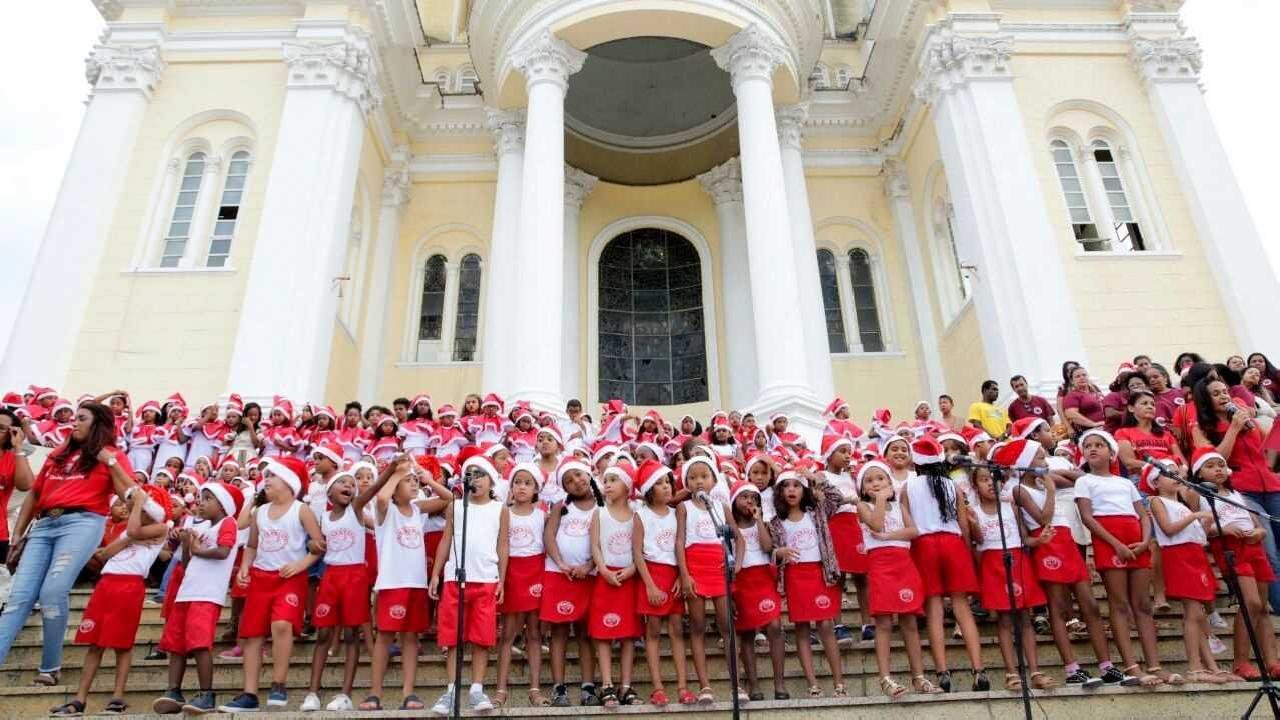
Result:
pixel 156 655
pixel 170 703
pixel 1041 624
pixel 560 697
pixel 756 696
pixel 944 681
pixel 980 681
pixel 781 695
pixel 1082 678
pixel 1113 675
pixel 588 697
pixel 979 613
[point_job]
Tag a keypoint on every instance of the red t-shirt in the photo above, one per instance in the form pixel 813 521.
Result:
pixel 1033 407
pixel 1168 402
pixel 1114 401
pixel 8 466
pixel 1160 447
pixel 1248 462
pixel 1088 403
pixel 74 489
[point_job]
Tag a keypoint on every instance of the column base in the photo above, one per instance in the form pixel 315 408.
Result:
pixel 547 401
pixel 801 406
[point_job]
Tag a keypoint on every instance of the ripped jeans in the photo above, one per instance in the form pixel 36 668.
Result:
pixel 57 550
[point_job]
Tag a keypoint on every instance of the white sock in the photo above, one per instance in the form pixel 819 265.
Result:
pixel 477 687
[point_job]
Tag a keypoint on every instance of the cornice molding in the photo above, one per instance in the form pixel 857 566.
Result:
pixel 124 68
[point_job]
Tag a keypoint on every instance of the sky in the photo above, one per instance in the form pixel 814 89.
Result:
pixel 42 102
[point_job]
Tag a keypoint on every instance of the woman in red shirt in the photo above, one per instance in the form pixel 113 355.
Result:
pixel 65 512
pixel 1142 436
pixel 1082 406
pixel 15 472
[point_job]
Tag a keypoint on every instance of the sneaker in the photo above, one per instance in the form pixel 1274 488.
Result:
pixel 868 633
pixel 1216 646
pixel 1082 678
pixel 844 638
pixel 588 697
pixel 479 701
pixel 1217 622
pixel 560 697
pixel 279 697
pixel 170 703
pixel 341 703
pixel 1041 624
pixel 235 653
pixel 202 703
pixel 310 703
pixel 761 640
pixel 156 654
pixel 444 705
pixel 243 703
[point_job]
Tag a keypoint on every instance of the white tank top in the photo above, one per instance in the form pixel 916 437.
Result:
pixel 343 538
pixel 1232 516
pixel 135 558
pixel 892 521
pixel 844 483
pixel 924 507
pixel 766 504
pixel 615 539
pixel 207 579
pixel 802 535
pixel 281 541
pixel 524 533
pixel 1193 533
pixel 402 563
pixel 699 527
pixel 484 521
pixel 989 524
pixel 659 535
pixel 753 556
pixel 573 537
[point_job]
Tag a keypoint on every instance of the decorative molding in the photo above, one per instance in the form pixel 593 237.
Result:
pixel 577 186
pixel 1174 59
pixel 548 59
pixel 952 60
pixel 507 127
pixel 426 166
pixel 750 55
pixel 396 181
pixel 723 182
pixel 897 185
pixel 174 166
pixel 344 66
pixel 791 119
pixel 124 68
pixel 212 164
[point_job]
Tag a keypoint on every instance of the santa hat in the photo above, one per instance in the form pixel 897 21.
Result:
pixel 281 403
pixel 926 451
pixel 1016 453
pixel 1148 476
pixel 699 460
pixel 162 471
pixel 150 405
pixel 882 416
pixel 61 404
pixel 492 399
pixel 158 503
pixel 870 449
pixel 868 466
pixel 175 400
pixel 653 447
pixel 522 411
pixel 1202 455
pixel 228 460
pixel 570 463
pixel 655 416
pixel 229 496
pixel 834 407
pixel 40 392
pixel 554 432
pixel 432 465
pixel 919 403
pixel 626 472
pixel 602 449
pixel 1024 427
pixel 388 418
pixel 778 416
pixel 742 486
pixel 894 439
pixel 446 411
pixel 954 437
pixel 613 407
pixel 1106 437
pixel 236 403
pixel 326 410
pixel 1125 367
pixel 729 468
pixel 333 479
pixel 648 475
pixel 364 465
pixel 331 450
pixel 831 443
pixel 789 473
pixel 12 401
pixel 420 397
pixel 755 458
pixel 192 476
pixel 491 450
pixel 290 470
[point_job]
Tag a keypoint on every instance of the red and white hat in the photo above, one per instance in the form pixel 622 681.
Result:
pixel 420 397
pixel 1024 427
pixel 521 411
pixel 492 399
pixel 282 403
pixel 177 400
pixel 554 432
pixel 648 475
pixel 446 411
pixel 653 447
pixel 1202 455
pixel 626 472
pixel 159 504
pixel 12 401
pixel 699 460
pixel 39 392
pixel 831 443
pixel 758 457
pixel 834 407
pixel 1106 437
pixel 61 404
pixel 150 405
pixel 334 478
pixel 882 416
pixel 326 410
pixel 290 470
pixel 778 416
pixel 229 496
pixel 236 403
pixel 720 420
pixel 474 457
pixel 876 464
pixel 331 450
pixel 954 437
pixel 742 486
pixel 570 463
pixel 1018 452
pixel 789 473
pixel 926 451
pixel 602 450
pixel 1148 476
pixel 162 471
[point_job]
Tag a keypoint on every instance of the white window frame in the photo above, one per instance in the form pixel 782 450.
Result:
pixel 466 80
pixel 216 203
pixel 870 242
pixel 820 78
pixel 193 221
pixel 440 352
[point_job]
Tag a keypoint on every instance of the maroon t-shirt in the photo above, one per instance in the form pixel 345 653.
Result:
pixel 1088 403
pixel 1033 407
pixel 1118 402
pixel 8 466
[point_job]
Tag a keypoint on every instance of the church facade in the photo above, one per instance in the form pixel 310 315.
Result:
pixel 688 205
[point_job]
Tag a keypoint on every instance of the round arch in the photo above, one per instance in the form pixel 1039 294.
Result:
pixel 433 242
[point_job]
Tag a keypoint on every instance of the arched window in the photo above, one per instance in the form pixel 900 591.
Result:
pixel 184 208
pixel 1073 191
pixel 431 317
pixel 441 78
pixel 843 77
pixel 468 317
pixel 651 327
pixel 830 285
pixel 1128 235
pixel 865 307
pixel 467 79
pixel 818 79
pixel 224 225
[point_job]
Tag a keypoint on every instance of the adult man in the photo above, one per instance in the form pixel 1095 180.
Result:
pixel 986 415
pixel 1026 405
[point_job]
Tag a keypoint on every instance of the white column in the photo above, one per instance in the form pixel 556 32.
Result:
pixel 206 207
pixel 546 62
pixel 503 275
pixel 897 188
pixel 1170 68
pixel 724 184
pixel 750 57
pixel 287 318
pixel 1003 226
pixel 848 309
pixel 51 311
pixel 577 186
pixel 396 186
pixel 790 120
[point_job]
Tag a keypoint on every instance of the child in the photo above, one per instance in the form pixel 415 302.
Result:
pixel 448 440
pixel 1242 535
pixel 612 615
pixel 191 620
pixel 401 584
pixel 757 604
pixel 523 438
pixel 566 587
pixel 1111 508
pixel 800 533
pixel 111 618
pixel 720 438
pixel 385 443
pixel 484 538
pixel 522 592
pixel 171 441
pixel 280 438
pixel 888 531
pixel 143 438
pixel 416 432
pixel 846 531
pixel 653 547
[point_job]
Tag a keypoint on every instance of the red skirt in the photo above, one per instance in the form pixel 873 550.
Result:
pixel 1059 561
pixel 1127 530
pixel 706 567
pixel 564 600
pixel 846 536
pixel 1186 572
pixel 756 601
pixel 612 615
pixel 945 564
pixel 370 558
pixel 523 589
pixel 995 592
pixel 238 590
pixel 175 582
pixel 894 583
pixel 114 611
pixel 1251 559
pixel 667 578
pixel 809 597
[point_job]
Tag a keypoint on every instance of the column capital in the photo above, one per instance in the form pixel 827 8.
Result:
pixel 952 60
pixel 893 173
pixel 1170 59
pixel 507 127
pixel 577 186
pixel 547 58
pixel 345 66
pixel 790 120
pixel 212 164
pixel 396 182
pixel 124 68
pixel 723 182
pixel 750 54
pixel 174 166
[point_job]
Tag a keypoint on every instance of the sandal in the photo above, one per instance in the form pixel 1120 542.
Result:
pixel 628 696
pixel 743 696
pixel 658 698
pixel 75 708
pixel 892 688
pixel 499 698
pixel 115 706
pixel 944 680
pixel 839 691
pixel 1166 676
pixel 1226 676
pixel 781 695
pixel 925 686
pixel 1040 681
pixel 756 696
pixel 536 699
pixel 1012 682
pixel 1145 679
pixel 371 703
pixel 48 679
pixel 1202 676
pixel 686 697
pixel 608 696
pixel 815 691
pixel 411 702
pixel 705 696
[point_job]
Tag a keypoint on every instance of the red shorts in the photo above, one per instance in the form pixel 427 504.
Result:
pixel 995 592
pixel 115 608
pixel 564 600
pixel 190 627
pixel 612 615
pixel 667 579
pixel 894 583
pixel 523 589
pixel 1186 572
pixel 238 590
pixel 1059 560
pixel 402 610
pixel 945 564
pixel 706 567
pixel 1127 530
pixel 371 557
pixel 343 597
pixel 846 536
pixel 756 601
pixel 809 597
pixel 175 582
pixel 1251 559
pixel 272 599
pixel 480 626
pixel 431 542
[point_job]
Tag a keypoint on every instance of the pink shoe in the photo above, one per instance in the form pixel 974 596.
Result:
pixel 234 653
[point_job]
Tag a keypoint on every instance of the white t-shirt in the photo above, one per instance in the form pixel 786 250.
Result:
pixel 615 539
pixel 1193 533
pixel 135 558
pixel 659 536
pixel 892 521
pixel 343 538
pixel 802 535
pixel 207 580
pixel 1110 494
pixel 524 533
pixel 280 541
pixel 699 527
pixel 752 556
pixel 402 563
pixel 1232 516
pixel 484 520
pixel 844 483
pixel 573 537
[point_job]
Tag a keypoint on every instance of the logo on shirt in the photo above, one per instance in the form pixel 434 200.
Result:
pixel 704 528
pixel 665 539
pixel 565 607
pixel 1037 410
pixel 323 610
pixel 126 554
pixel 1051 562
pixel 611 620
pixel 339 540
pixel 272 540
pixel 907 595
pixel 397 612
pixel 87 626
pixel 291 600
pixel 803 539
pixel 577 527
pixel 1017 590
pixel 1183 401
pixel 822 602
pixel 767 605
pixel 535 590
pixel 620 542
pixel 520 536
pixel 410 537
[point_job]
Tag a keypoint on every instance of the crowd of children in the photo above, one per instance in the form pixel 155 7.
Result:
pixel 371 528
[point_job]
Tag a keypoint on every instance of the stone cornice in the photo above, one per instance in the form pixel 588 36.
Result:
pixel 345 66
pixel 951 60
pixel 124 68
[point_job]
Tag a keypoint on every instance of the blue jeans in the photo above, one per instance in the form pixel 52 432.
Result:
pixel 56 551
pixel 1269 503
pixel 164 579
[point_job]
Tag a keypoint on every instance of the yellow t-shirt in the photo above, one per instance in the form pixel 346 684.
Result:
pixel 994 419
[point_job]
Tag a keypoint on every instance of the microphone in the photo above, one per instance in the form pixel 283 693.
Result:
pixel 705 499
pixel 1232 409
pixel 968 461
pixel 1201 487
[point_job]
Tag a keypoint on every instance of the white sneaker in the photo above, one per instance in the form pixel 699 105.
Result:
pixel 1216 621
pixel 1216 646
pixel 341 703
pixel 444 705
pixel 479 701
pixel 310 703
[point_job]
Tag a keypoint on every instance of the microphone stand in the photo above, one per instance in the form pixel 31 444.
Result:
pixel 1006 555
pixel 460 574
pixel 727 543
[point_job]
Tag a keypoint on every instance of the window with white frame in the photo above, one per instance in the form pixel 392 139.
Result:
pixel 1128 233
pixel 954 285
pixel 467 79
pixel 224 223
pixel 1100 208
pixel 843 76
pixel 819 79
pixel 431 316
pixel 441 78
pixel 830 286
pixel 179 230
pixel 467 323
pixel 865 308
pixel 1083 227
